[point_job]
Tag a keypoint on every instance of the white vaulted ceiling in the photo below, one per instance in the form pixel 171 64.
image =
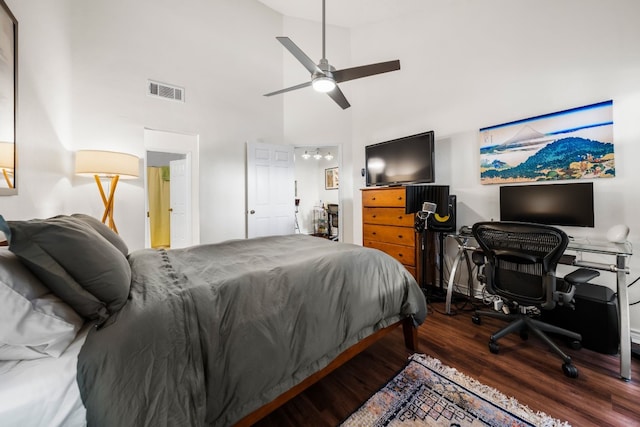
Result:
pixel 346 13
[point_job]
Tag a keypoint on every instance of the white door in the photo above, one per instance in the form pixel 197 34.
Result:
pixel 179 186
pixel 270 189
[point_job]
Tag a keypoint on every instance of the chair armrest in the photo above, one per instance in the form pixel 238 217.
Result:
pixel 477 257
pixel 581 275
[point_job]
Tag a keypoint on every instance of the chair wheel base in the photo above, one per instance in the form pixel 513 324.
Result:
pixel 575 344
pixel 570 370
pixel 494 347
pixel 476 319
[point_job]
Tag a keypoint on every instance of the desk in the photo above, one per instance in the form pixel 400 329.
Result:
pixel 621 251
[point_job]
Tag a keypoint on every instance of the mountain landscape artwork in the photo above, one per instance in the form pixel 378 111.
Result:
pixel 569 144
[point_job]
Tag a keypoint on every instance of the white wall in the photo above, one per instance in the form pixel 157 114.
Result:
pixel 83 73
pixel 467 65
pixel 314 119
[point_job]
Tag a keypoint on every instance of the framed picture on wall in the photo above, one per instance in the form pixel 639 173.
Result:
pixel 8 47
pixel 331 179
pixel 570 144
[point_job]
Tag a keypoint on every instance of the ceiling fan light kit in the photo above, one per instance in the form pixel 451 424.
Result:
pixel 323 84
pixel 324 77
pixel 317 155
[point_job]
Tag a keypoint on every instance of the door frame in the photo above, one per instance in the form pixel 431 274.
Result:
pixel 166 142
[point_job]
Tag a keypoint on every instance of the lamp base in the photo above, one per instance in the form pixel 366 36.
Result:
pixel 108 202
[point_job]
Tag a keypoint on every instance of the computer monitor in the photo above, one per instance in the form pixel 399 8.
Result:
pixel 553 204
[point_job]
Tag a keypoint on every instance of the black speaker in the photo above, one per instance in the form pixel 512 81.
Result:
pixel 445 223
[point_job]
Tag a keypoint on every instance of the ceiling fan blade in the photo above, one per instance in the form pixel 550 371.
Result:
pixel 289 89
pixel 299 54
pixel 337 95
pixel 365 71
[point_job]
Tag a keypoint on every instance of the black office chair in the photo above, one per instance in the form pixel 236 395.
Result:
pixel 332 214
pixel 517 262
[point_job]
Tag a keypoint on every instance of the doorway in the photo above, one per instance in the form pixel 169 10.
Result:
pixel 171 189
pixel 163 186
pixel 317 171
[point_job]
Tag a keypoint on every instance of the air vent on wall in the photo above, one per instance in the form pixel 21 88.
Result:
pixel 163 90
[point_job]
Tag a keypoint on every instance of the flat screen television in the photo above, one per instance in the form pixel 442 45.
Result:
pixel 407 160
pixel 551 204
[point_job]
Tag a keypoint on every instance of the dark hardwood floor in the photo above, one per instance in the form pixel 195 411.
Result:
pixel 526 370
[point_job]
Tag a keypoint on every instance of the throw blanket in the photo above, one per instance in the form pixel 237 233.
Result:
pixel 212 332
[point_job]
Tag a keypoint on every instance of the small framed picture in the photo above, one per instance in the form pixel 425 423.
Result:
pixel 331 179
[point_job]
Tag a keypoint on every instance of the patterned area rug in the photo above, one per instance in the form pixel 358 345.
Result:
pixel 428 393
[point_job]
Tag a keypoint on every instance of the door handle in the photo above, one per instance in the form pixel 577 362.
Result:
pixel 252 211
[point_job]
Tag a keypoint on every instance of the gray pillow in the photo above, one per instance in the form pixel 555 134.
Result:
pixel 103 230
pixel 74 261
pixel 34 323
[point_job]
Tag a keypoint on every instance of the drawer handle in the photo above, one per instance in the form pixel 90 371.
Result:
pixel 399 236
pixel 400 217
pixel 374 233
pixel 373 198
pixel 373 216
pixel 399 255
pixel 400 198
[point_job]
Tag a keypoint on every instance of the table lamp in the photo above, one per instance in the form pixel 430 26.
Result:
pixel 7 158
pixel 107 164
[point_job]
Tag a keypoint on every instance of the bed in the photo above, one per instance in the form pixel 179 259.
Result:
pixel 216 334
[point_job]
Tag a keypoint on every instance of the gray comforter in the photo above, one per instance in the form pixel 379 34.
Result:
pixel 212 332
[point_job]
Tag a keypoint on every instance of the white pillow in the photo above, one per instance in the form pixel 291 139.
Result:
pixel 34 323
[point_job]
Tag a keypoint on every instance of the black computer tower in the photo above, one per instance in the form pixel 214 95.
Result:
pixel 595 317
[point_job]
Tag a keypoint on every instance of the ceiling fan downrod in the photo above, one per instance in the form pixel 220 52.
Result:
pixel 324 26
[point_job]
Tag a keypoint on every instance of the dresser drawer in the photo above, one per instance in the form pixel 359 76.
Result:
pixel 395 216
pixel 390 197
pixel 389 234
pixel 404 254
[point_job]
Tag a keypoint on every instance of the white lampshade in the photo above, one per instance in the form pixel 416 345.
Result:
pixel 317 156
pixel 328 156
pixel 106 164
pixel 7 155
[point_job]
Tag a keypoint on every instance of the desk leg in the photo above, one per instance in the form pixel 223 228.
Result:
pixel 452 278
pixel 625 329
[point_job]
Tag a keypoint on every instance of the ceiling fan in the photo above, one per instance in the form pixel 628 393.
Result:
pixel 324 77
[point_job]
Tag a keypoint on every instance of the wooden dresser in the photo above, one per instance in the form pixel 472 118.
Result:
pixel 385 226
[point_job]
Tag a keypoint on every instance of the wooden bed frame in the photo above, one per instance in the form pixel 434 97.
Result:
pixel 410 341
